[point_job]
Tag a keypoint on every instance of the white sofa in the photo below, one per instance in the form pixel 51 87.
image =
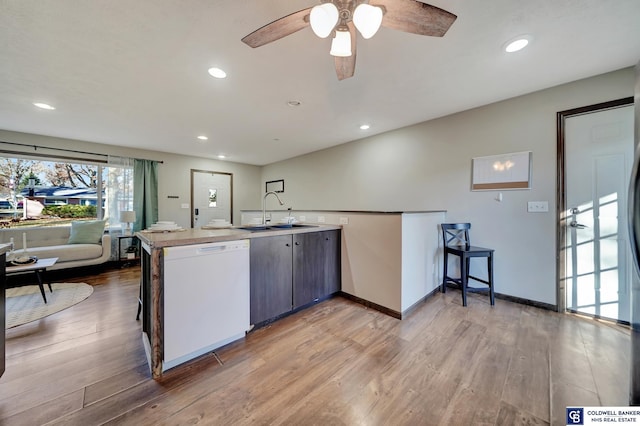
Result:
pixel 45 242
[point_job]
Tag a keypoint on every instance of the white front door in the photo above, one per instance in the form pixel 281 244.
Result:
pixel 210 197
pixel 599 156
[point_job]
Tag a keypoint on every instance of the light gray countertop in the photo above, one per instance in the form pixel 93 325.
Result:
pixel 203 236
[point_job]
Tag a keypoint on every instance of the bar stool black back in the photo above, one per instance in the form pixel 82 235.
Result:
pixel 455 238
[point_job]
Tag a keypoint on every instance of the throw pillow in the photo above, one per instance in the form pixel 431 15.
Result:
pixel 86 232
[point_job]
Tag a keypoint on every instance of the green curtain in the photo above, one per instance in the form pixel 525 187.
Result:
pixel 145 193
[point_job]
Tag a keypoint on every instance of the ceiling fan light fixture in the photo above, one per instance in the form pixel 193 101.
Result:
pixel 323 19
pixel 341 44
pixel 367 19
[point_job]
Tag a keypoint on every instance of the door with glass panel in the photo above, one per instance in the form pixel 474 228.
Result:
pixel 597 262
pixel 211 197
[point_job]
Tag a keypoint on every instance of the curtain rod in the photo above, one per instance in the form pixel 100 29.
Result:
pixel 35 148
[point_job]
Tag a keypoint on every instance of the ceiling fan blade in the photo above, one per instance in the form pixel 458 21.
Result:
pixel 346 65
pixel 279 28
pixel 415 17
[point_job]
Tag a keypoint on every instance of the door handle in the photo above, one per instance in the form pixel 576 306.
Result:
pixel 577 225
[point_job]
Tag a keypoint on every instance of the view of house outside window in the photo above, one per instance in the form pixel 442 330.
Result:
pixel 37 192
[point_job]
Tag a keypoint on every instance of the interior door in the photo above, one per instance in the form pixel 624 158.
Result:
pixel 597 263
pixel 211 197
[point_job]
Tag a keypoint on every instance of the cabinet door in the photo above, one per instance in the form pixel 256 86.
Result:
pixel 308 268
pixel 332 264
pixel 271 279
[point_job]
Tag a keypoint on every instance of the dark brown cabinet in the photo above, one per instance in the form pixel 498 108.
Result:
pixel 316 272
pixel 270 289
pixel 291 271
pixel 332 265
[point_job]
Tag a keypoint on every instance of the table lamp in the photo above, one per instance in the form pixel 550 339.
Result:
pixel 128 217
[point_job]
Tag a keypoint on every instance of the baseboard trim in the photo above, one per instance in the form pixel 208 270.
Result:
pixel 409 310
pixel 368 304
pixel 527 302
pixel 508 298
pixel 416 305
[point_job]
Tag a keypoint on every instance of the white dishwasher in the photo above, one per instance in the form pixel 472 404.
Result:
pixel 206 298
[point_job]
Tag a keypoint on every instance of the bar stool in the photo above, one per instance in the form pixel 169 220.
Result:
pixel 455 238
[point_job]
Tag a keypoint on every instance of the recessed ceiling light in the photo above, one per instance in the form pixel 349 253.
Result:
pixel 44 106
pixel 517 44
pixel 222 157
pixel 364 127
pixel 217 72
pixel 203 138
pixel 294 103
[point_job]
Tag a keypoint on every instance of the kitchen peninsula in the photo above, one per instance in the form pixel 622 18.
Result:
pixel 389 261
pixel 289 268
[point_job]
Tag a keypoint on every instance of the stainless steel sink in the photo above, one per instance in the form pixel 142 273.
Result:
pixel 253 228
pixel 291 225
pixel 258 228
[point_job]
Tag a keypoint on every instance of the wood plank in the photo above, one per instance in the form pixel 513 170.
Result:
pixel 337 362
pixel 512 416
pixel 59 406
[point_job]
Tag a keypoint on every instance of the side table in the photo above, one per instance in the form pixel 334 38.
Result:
pixel 128 249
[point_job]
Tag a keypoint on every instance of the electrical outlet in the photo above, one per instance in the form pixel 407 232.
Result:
pixel 344 221
pixel 538 206
pixel 320 219
pixel 303 218
pixel 184 206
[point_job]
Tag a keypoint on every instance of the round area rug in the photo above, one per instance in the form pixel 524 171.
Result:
pixel 24 304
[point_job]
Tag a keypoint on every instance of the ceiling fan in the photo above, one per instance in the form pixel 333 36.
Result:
pixel 343 17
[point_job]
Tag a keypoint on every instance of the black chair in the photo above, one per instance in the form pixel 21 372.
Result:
pixel 455 238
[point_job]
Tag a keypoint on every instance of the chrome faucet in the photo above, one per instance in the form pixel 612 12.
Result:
pixel 264 205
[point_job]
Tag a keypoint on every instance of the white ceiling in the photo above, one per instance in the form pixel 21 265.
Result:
pixel 134 73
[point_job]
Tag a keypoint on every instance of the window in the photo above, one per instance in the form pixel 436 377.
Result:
pixel 50 192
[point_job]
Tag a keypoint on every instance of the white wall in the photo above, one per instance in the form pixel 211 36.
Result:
pixel 421 256
pixel 174 178
pixel 428 167
pixel 422 167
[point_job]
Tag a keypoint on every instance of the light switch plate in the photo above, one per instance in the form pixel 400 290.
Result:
pixel 320 219
pixel 344 221
pixel 184 206
pixel 538 206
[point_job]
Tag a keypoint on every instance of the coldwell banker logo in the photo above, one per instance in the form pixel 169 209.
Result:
pixel 575 416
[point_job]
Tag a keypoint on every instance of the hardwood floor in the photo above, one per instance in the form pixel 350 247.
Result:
pixel 337 363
